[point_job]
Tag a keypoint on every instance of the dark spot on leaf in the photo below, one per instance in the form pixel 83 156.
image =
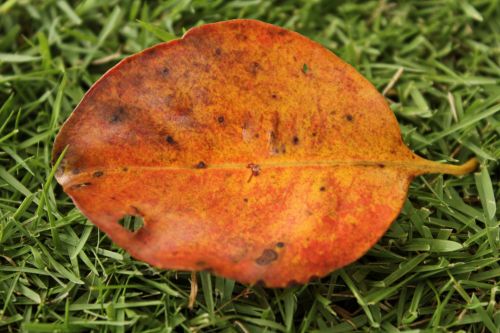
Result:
pixel 274 96
pixel 241 37
pixel 314 134
pixel 305 69
pixel 182 111
pixel 245 199
pixel 201 165
pixel 280 244
pixel 254 67
pixel 220 119
pixel 97 174
pixel 322 189
pixel 257 135
pixel 201 263
pixel 349 117
pixel 75 171
pixel 295 140
pixel 125 169
pixel 267 257
pixel 170 140
pixel 165 71
pixel 218 51
pixel 117 116
pixel 255 169
pixel 381 165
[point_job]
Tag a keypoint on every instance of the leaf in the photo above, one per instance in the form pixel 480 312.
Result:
pixel 248 150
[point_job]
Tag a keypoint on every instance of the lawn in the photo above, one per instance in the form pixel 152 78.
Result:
pixel 435 270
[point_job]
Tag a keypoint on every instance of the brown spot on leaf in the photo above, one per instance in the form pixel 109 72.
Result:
pixel 254 67
pixel 295 140
pixel 201 263
pixel 118 116
pixel 170 140
pixel 280 244
pixel 201 165
pixel 255 168
pixel 220 119
pixel 267 257
pixel 241 37
pixel 97 174
pixel 349 117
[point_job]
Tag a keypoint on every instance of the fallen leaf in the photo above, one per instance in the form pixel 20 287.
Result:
pixel 248 150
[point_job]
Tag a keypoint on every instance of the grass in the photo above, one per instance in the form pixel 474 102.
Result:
pixel 437 268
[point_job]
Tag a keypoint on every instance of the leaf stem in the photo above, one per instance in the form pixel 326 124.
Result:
pixel 436 167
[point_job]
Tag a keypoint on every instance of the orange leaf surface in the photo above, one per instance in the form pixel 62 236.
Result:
pixel 248 149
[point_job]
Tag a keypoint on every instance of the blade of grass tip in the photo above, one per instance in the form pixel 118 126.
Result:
pixel 33 140
pixel 402 270
pixel 376 296
pixel 412 312
pixel 8 136
pixel 7 105
pixel 6 122
pixel 70 13
pixel 6 6
pixel 53 230
pixel 15 58
pixel 465 122
pixel 15 184
pixel 18 159
pixel 58 266
pixel 470 11
pixel 83 239
pixel 112 22
pixel 21 209
pixel 485 189
pixel 8 294
pixel 453 109
pixel 393 80
pixel 487 197
pixel 157 31
pixel 440 308
pixel 475 304
pixel 44 49
pixel 56 109
pixel 361 301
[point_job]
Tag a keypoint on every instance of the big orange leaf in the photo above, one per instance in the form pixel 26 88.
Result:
pixel 248 149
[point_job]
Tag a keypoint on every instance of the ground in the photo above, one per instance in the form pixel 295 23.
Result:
pixel 436 269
